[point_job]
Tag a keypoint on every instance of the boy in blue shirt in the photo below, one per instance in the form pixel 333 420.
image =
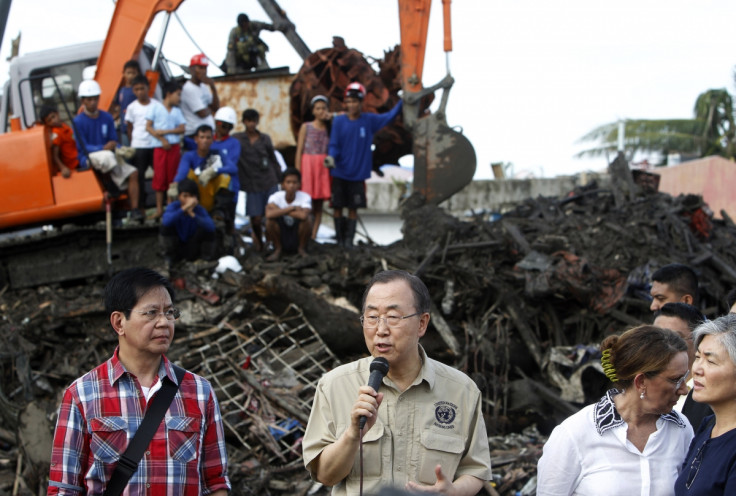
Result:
pixel 350 158
pixel 187 231
pixel 96 136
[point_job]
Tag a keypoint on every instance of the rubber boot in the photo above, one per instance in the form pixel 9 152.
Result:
pixel 340 231
pixel 350 225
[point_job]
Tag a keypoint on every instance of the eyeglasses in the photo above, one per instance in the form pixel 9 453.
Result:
pixel 152 315
pixel 371 321
pixel 679 381
pixel 695 466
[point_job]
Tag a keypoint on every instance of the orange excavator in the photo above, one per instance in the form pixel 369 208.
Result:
pixel 33 191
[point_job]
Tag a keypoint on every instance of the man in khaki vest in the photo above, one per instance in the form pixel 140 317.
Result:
pixel 424 428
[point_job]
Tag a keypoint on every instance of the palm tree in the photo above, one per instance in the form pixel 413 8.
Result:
pixel 714 109
pixel 710 132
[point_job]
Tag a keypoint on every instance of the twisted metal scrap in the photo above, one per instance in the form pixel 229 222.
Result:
pixel 265 374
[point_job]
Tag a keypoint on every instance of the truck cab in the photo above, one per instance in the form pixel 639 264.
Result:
pixel 33 190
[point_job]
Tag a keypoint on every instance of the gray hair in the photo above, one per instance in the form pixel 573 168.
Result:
pixel 723 329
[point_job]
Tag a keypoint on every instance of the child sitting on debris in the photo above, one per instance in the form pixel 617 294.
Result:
pixel 187 231
pixel 63 147
pixel 288 222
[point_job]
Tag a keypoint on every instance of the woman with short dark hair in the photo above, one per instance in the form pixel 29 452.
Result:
pixel 710 465
pixel 631 441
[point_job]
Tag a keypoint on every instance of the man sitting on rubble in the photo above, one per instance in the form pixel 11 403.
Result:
pixel 103 412
pixel 187 230
pixel 673 283
pixel 288 216
pixel 423 431
pixel 97 139
pixel 209 168
pixel 683 319
pixel 245 49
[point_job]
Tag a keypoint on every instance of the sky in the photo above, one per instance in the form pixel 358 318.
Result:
pixel 532 76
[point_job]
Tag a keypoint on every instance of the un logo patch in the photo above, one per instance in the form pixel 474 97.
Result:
pixel 444 414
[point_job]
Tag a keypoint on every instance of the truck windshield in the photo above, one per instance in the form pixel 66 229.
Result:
pixel 57 86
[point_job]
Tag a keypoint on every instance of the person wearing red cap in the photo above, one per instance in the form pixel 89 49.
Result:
pixel 351 159
pixel 199 100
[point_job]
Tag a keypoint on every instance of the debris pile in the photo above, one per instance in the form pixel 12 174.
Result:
pixel 518 304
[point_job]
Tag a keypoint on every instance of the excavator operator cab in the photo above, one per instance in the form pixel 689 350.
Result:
pixel 33 190
pixel 50 77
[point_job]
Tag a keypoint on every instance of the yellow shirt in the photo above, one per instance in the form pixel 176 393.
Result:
pixel 437 420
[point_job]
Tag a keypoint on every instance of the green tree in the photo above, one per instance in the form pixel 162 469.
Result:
pixel 714 109
pixel 710 132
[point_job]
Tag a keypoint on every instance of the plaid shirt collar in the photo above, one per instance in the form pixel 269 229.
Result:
pixel 116 369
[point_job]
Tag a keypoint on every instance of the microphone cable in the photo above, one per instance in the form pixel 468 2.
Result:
pixel 361 461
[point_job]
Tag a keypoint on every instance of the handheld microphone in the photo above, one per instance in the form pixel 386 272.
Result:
pixel 378 368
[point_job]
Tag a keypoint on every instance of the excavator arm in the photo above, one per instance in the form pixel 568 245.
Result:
pixel 444 159
pixel 125 36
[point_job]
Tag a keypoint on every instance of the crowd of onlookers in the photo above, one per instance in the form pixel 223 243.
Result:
pixel 200 168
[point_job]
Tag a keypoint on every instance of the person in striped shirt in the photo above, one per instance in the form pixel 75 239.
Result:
pixel 102 410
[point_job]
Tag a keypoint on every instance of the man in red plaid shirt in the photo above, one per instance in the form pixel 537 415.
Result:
pixel 102 410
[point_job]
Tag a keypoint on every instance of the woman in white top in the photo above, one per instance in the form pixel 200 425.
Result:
pixel 631 442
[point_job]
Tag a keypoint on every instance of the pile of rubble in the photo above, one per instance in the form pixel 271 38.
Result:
pixel 518 304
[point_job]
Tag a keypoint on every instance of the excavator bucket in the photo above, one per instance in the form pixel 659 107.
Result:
pixel 444 159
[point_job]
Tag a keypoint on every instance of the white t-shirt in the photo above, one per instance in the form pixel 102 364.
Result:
pixel 136 114
pixel 588 454
pixel 301 199
pixel 148 391
pixel 193 99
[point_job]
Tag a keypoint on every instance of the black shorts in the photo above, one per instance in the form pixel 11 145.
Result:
pixel 289 233
pixel 348 194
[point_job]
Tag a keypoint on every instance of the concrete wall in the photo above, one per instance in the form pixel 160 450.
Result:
pixel 713 178
pixel 496 195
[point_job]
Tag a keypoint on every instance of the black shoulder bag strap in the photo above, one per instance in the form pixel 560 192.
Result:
pixel 128 463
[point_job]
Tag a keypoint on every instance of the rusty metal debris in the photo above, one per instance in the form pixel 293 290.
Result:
pixel 519 304
pixel 329 71
pixel 265 372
